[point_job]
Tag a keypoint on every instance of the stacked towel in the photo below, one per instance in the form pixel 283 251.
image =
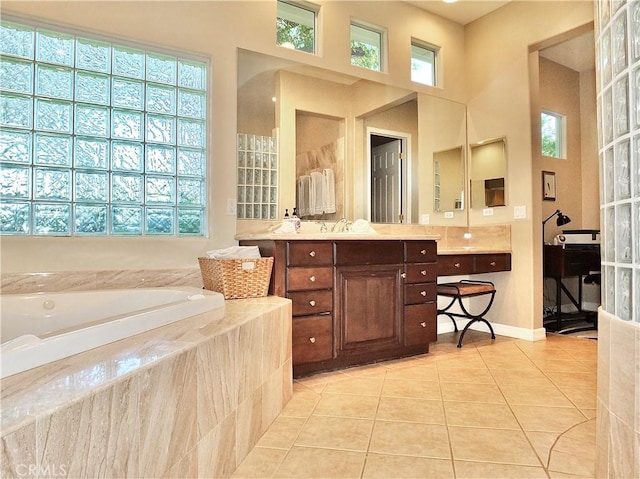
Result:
pixel 316 195
pixel 304 190
pixel 235 252
pixel 329 191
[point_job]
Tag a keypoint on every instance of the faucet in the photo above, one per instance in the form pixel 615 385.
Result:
pixel 323 226
pixel 345 225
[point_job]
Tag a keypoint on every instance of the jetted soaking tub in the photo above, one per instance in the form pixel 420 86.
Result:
pixel 40 328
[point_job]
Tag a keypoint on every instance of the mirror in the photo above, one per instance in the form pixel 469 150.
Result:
pixel 327 120
pixel 487 173
pixel 448 180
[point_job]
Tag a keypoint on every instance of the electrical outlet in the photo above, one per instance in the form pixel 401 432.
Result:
pixel 487 212
pixel 448 214
pixel 232 208
pixel 519 212
pixel 424 219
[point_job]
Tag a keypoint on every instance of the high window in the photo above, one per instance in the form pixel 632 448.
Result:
pixel 99 138
pixel 296 26
pixel 366 46
pixel 423 63
pixel 553 134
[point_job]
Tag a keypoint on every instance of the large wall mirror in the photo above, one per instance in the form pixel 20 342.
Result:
pixel 488 173
pixel 378 145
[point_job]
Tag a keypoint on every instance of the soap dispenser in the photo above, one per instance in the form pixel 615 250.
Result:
pixel 296 220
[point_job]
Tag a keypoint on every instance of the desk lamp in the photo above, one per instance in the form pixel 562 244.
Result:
pixel 562 220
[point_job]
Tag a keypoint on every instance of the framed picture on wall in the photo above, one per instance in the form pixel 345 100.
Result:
pixel 548 186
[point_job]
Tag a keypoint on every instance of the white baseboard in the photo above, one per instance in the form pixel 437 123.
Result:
pixel 500 329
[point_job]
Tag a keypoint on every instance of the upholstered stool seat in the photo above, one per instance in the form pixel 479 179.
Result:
pixel 466 289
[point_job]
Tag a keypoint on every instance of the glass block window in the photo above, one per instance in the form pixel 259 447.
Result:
pixel 552 133
pixel 257 177
pixel 423 63
pixel 296 26
pixel 98 138
pixel 366 47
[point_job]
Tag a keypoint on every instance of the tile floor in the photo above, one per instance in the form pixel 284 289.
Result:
pixel 492 409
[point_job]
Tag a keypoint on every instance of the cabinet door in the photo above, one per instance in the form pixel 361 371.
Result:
pixel 312 339
pixel 420 326
pixel 369 312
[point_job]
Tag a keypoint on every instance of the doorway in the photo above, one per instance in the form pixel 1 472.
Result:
pixel 388 172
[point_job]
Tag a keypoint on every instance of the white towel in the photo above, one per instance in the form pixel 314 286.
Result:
pixel 317 193
pixel 304 189
pixel 329 191
pixel 235 252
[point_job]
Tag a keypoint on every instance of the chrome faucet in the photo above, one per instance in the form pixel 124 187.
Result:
pixel 341 225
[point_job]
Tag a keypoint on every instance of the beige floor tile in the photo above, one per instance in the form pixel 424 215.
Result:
pixel 411 389
pixel 420 372
pixel 470 414
pixel 379 466
pixel 542 443
pixel 260 463
pixel 535 394
pixel 582 398
pixel 470 360
pixel 317 463
pixel 282 433
pixel 411 439
pixel 570 464
pixel 508 363
pixel 585 431
pixel 370 386
pixel 466 375
pixel 426 411
pixel 489 393
pixel 562 475
pixel 336 433
pixel 347 405
pixel 568 381
pixel 564 365
pixel 584 449
pixel 301 404
pixel 547 419
pixel 521 377
pixel 492 445
pixel 484 470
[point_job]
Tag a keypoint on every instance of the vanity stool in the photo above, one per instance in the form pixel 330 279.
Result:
pixel 466 289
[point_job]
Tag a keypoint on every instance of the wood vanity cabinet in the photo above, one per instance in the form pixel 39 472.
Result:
pixel 476 263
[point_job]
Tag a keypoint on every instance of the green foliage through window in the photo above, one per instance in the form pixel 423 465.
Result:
pixel 295 27
pixel 366 48
pixel 552 134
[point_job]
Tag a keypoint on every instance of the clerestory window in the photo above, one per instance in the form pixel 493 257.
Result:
pixel 296 26
pixel 553 134
pixel 423 63
pixel 98 137
pixel 366 46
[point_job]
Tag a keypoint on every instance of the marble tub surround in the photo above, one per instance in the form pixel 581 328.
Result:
pixel 20 283
pixel 190 399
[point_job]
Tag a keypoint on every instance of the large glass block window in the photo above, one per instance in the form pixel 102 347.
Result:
pixel 423 63
pixel 366 47
pixel 98 138
pixel 296 26
pixel 257 177
pixel 552 133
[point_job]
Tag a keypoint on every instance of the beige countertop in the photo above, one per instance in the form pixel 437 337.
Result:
pixel 333 236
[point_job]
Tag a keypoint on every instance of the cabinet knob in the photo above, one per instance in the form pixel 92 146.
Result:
pixel 404 275
pixel 312 340
pixel 457 265
pixel 423 293
pixel 423 324
pixel 423 251
pixel 493 263
pixel 312 254
pixel 423 272
pixel 312 279
pixel 312 302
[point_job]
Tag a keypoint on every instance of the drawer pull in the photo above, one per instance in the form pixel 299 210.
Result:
pixel 312 302
pixel 423 251
pixel 312 279
pixel 312 340
pixel 312 254
pixel 423 293
pixel 493 263
pixel 423 272
pixel 423 324
pixel 404 275
pixel 457 265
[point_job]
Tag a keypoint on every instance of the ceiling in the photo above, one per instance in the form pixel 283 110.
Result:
pixel 462 11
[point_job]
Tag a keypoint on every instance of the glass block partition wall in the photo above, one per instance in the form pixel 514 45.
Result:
pixel 257 177
pixel 618 46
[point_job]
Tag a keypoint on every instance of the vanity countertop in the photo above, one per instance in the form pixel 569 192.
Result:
pixel 333 236
pixel 471 250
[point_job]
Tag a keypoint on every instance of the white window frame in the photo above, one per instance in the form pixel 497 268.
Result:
pixel 561 134
pixel 293 10
pixel 415 43
pixel 362 37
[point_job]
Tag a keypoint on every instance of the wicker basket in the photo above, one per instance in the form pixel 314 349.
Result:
pixel 237 278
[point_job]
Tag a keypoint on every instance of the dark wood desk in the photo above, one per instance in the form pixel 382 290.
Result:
pixel 564 262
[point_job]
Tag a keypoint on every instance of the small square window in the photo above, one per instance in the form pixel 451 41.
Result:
pixel 423 64
pixel 552 132
pixel 296 26
pixel 366 47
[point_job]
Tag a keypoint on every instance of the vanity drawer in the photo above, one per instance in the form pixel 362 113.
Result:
pixel 419 293
pixel 488 263
pixel 310 253
pixel 420 326
pixel 312 339
pixel 455 264
pixel 420 272
pixel 353 252
pixel 301 279
pixel 311 302
pixel 420 252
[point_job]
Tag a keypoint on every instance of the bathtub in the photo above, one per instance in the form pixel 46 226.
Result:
pixel 40 328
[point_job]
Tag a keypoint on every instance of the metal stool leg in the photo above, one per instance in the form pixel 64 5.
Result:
pixel 476 318
pixel 444 311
